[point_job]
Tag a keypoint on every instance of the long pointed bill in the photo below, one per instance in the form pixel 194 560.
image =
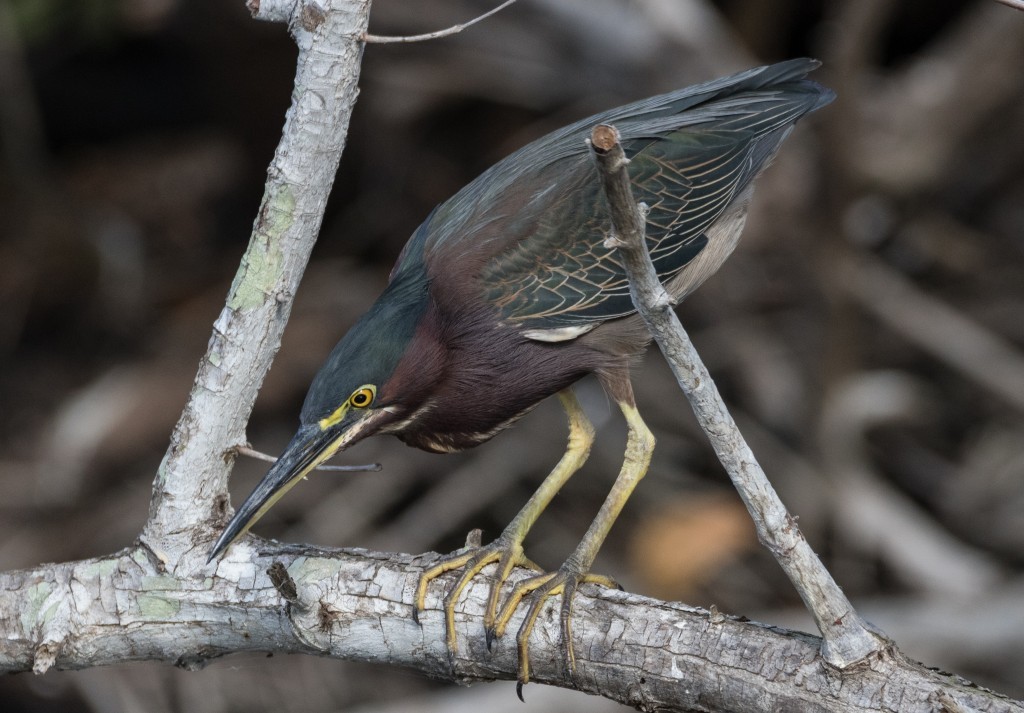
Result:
pixel 310 447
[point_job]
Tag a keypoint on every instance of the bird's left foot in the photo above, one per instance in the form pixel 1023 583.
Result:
pixel 537 590
pixel 506 552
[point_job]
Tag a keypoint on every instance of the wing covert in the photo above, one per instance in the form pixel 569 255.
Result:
pixel 530 231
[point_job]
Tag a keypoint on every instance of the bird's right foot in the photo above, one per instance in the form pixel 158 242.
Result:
pixel 507 553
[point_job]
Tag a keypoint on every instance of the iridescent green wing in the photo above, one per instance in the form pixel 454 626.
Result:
pixel 529 232
pixel 558 273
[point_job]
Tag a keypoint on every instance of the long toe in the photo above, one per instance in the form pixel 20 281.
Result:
pixel 535 592
pixel 553 585
pixel 507 555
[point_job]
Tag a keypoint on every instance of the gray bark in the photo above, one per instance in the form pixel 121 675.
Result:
pixel 357 605
pixel 190 491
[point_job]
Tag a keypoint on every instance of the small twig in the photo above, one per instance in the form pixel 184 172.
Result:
pixel 253 453
pixel 453 30
pixel 1015 4
pixel 846 637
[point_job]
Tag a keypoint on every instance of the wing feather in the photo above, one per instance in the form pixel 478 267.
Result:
pixel 531 229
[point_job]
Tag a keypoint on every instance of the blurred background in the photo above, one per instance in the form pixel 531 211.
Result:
pixel 868 332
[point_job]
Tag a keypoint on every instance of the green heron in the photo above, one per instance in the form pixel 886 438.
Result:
pixel 507 294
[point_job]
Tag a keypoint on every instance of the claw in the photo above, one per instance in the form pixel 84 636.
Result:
pixel 565 620
pixel 541 589
pixel 507 554
pixel 538 590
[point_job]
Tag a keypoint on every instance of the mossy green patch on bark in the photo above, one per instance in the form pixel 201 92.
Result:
pixel 37 612
pixel 100 568
pixel 261 264
pixel 157 607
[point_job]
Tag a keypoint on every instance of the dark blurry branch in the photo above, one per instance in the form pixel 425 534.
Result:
pixel 875 515
pixel 847 639
pixel 356 606
pixel 453 30
pixel 905 127
pixel 22 143
pixel 948 334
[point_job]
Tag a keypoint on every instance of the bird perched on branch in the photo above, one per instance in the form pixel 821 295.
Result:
pixel 507 294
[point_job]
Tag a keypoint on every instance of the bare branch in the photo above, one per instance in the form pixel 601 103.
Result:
pixel 247 334
pixel 356 606
pixel 847 638
pixel 453 30
pixel 266 457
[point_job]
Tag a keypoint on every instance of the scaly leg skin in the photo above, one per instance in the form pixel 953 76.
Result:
pixel 507 550
pixel 576 569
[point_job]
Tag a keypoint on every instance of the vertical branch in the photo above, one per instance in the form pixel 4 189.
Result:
pixel 847 638
pixel 190 491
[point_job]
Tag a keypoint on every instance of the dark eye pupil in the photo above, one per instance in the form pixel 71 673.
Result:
pixel 360 399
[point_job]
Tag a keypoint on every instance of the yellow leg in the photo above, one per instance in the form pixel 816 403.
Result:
pixel 507 550
pixel 575 570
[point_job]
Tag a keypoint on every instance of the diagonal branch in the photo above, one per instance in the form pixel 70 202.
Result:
pixel 847 637
pixel 190 491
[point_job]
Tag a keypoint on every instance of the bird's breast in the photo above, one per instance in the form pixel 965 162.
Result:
pixel 447 437
pixel 493 377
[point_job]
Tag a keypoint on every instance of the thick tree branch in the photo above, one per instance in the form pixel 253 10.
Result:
pixel 357 605
pixel 847 638
pixel 190 493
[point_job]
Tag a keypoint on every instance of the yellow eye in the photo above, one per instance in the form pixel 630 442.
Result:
pixel 362 397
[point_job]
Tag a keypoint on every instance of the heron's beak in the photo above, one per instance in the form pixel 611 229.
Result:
pixel 311 446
